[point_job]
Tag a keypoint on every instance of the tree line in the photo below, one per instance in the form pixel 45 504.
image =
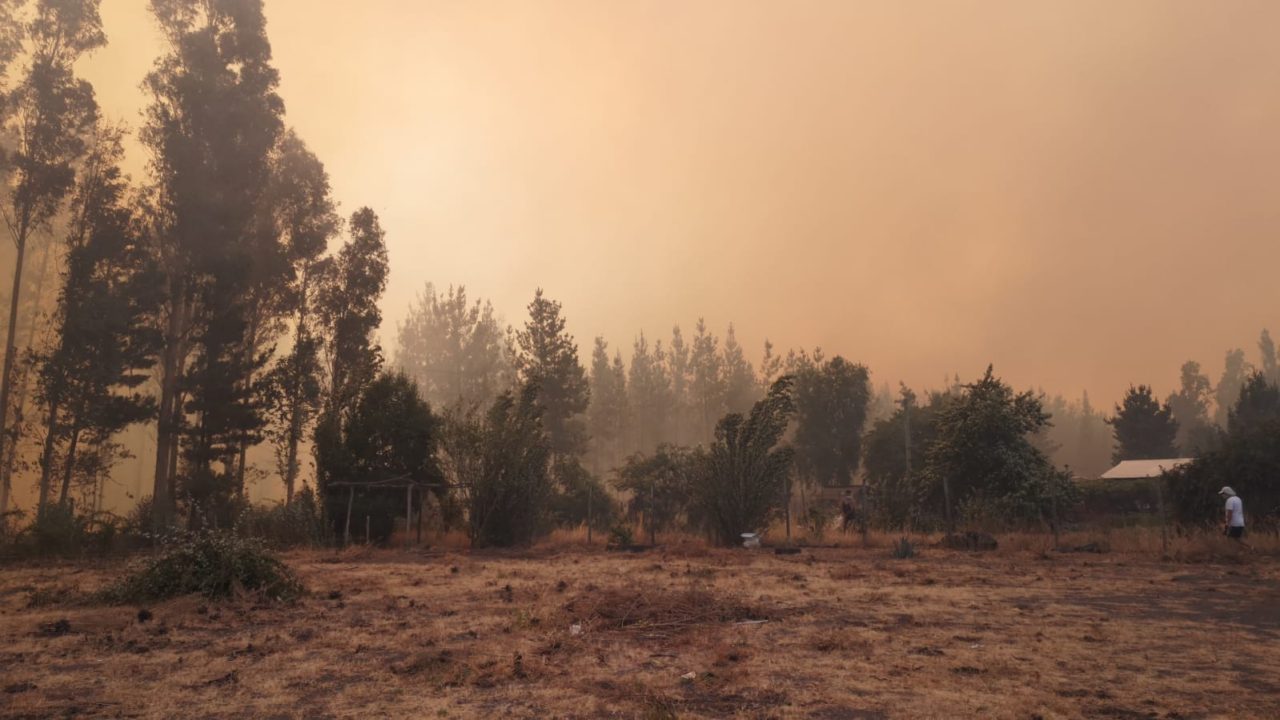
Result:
pixel 222 300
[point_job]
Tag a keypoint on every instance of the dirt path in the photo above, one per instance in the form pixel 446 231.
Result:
pixel 846 634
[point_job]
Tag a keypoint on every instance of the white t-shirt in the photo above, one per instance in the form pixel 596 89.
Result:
pixel 1236 507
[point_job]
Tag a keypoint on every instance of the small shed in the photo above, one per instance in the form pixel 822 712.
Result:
pixel 1140 469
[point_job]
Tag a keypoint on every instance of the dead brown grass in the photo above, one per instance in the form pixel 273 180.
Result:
pixel 851 633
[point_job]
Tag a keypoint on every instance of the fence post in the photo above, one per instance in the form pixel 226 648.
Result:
pixel 788 509
pixel 946 495
pixel 1053 508
pixel 653 520
pixel 367 535
pixel 863 510
pixel 408 514
pixel 351 498
pixel 1164 526
pixel 590 495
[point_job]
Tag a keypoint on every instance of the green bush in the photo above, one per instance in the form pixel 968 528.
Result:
pixel 212 563
pixel 300 523
pixel 60 531
pixel 579 496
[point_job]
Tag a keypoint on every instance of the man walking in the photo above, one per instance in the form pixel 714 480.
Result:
pixel 1233 515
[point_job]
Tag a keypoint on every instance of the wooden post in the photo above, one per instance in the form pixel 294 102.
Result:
pixel 351 498
pixel 653 521
pixel 1164 528
pixel 946 496
pixel 590 493
pixel 788 509
pixel 906 430
pixel 367 535
pixel 421 499
pixel 805 516
pixel 408 513
pixel 1053 508
pixel 862 511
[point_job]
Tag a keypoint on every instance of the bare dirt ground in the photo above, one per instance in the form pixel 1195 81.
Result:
pixel 847 634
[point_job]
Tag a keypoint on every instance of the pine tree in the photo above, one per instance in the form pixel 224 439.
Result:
pixel 770 366
pixel 740 387
pixel 607 414
pixel 1267 351
pixel 650 395
pixel 1190 406
pixel 453 349
pixel 706 385
pixel 547 359
pixel 678 370
pixel 1234 373
pixel 1144 429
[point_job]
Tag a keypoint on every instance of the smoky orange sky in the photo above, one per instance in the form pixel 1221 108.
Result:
pixel 1084 193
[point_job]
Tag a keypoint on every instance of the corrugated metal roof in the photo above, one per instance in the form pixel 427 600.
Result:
pixel 1131 469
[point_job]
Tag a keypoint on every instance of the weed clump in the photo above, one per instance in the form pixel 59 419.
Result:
pixel 904 549
pixel 213 564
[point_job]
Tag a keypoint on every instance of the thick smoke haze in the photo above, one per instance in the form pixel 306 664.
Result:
pixel 1081 192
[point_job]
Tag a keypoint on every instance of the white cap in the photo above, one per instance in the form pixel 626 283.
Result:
pixel 1227 491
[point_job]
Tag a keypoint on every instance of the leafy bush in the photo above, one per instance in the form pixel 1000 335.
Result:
pixel 503 461
pixel 660 486
pixel 391 433
pixel 59 530
pixel 741 484
pixel 580 494
pixel 212 563
pixel 298 523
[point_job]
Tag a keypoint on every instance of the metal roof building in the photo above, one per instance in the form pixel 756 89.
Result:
pixel 1135 469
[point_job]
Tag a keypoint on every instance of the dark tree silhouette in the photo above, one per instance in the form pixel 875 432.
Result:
pixel 503 461
pixel 1190 406
pixel 106 338
pixel 742 481
pixel 1144 429
pixel 608 414
pixel 546 357
pixel 984 454
pixel 649 395
pixel 303 217
pixel 212 124
pixel 389 433
pixel 831 409
pixel 349 315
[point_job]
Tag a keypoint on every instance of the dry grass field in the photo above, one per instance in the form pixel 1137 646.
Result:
pixel 680 632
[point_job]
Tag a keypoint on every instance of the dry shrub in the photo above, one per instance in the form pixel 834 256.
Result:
pixel 842 641
pixel 655 612
pixel 847 572
pixel 213 564
pixel 570 538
